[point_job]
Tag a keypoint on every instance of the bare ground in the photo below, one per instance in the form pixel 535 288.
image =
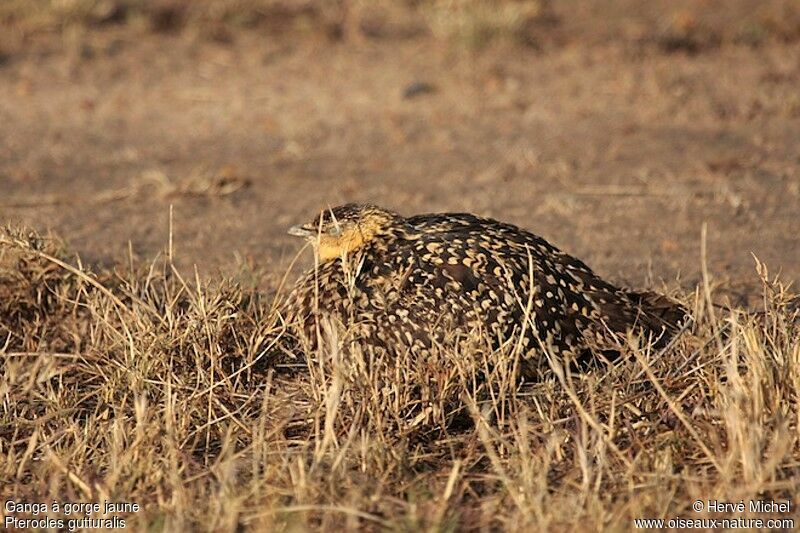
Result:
pixel 617 141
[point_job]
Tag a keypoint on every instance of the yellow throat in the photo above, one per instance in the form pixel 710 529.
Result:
pixel 331 247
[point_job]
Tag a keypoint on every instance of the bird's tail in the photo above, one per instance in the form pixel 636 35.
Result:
pixel 658 315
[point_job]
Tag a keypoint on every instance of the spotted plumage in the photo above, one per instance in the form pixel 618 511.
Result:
pixel 399 283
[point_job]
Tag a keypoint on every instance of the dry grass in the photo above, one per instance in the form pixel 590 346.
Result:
pixel 678 27
pixel 211 17
pixel 470 24
pixel 138 385
pixel 478 22
pixel 474 22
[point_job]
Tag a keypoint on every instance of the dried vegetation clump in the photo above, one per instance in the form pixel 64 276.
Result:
pixel 136 384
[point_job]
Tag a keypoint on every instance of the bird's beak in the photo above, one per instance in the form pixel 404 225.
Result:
pixel 301 231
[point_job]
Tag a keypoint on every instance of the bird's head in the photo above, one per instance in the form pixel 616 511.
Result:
pixel 342 230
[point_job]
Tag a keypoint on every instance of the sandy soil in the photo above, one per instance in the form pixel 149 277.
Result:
pixel 615 149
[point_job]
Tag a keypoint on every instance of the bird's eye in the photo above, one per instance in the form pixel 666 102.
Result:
pixel 335 230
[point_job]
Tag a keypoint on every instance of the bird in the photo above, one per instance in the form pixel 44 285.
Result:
pixel 414 283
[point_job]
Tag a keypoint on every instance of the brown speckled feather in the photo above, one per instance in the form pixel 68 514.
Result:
pixel 425 279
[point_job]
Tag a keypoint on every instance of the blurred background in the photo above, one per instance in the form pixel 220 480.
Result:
pixel 614 128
